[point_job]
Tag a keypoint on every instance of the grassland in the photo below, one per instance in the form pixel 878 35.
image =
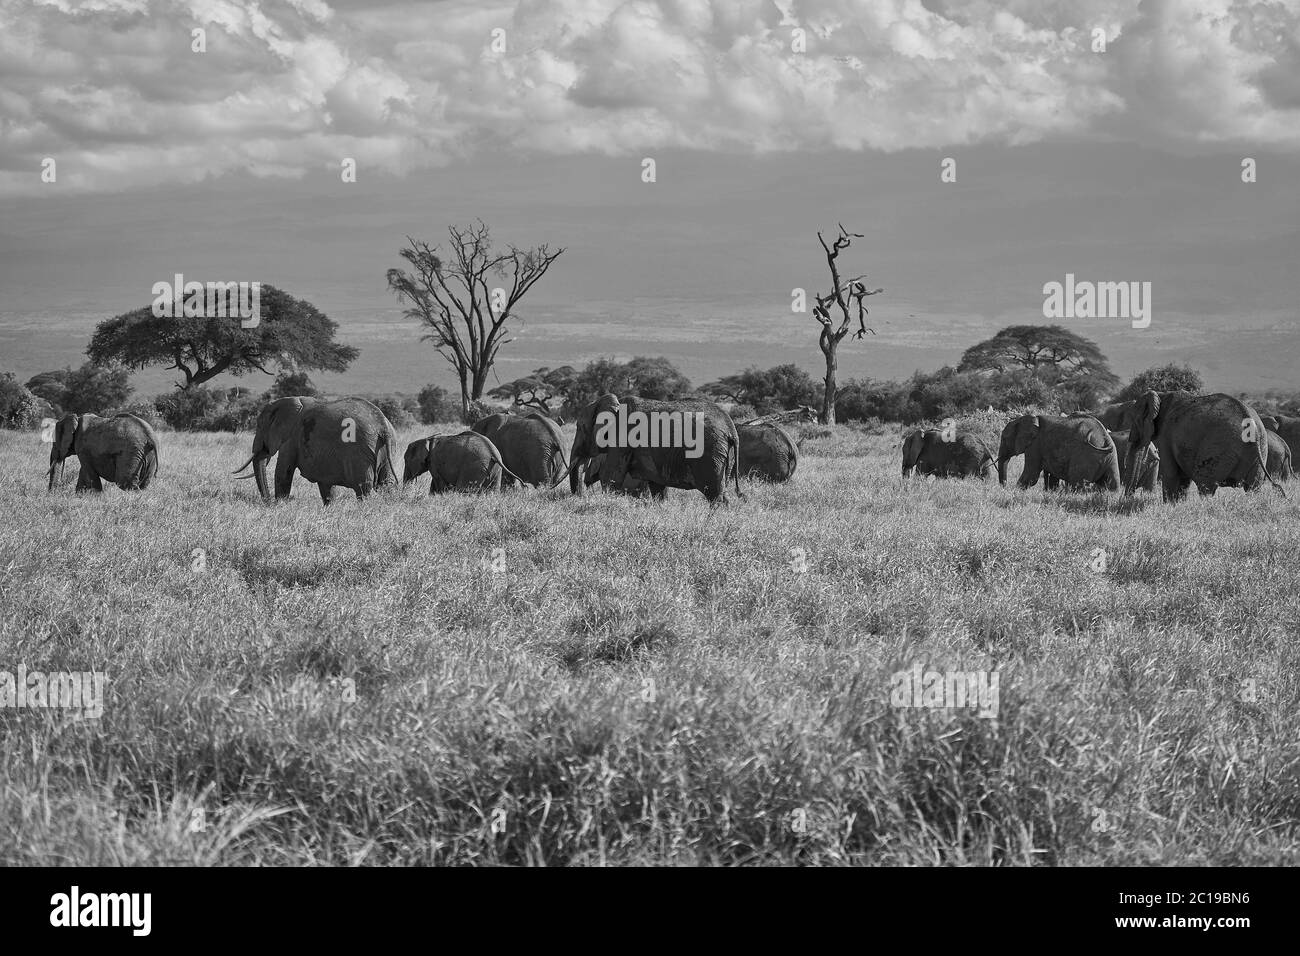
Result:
pixel 629 683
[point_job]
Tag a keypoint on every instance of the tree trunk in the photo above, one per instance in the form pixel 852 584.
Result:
pixel 828 395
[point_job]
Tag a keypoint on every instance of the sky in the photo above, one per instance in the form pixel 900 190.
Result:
pixel 766 122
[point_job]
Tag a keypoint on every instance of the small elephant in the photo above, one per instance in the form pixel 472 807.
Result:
pixel 1287 428
pixel 531 447
pixel 611 471
pixel 768 452
pixel 1112 416
pixel 926 452
pixel 1279 460
pixel 1077 450
pixel 122 449
pixel 466 461
pixel 1127 458
pixel 1210 440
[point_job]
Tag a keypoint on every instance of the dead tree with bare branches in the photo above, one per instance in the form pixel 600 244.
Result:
pixel 847 296
pixel 465 316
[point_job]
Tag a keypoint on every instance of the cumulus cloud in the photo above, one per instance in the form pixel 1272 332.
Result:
pixel 112 90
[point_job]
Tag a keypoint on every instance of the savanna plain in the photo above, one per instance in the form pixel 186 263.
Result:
pixel 536 678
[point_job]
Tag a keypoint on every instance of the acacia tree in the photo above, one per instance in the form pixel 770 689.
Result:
pixel 847 296
pixel 538 390
pixel 291 334
pixel 452 298
pixel 1071 367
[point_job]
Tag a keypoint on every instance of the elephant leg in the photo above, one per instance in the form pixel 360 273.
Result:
pixel 284 469
pixel 1033 466
pixel 657 492
pixel 325 492
pixel 365 489
pixel 88 480
pixel 1174 486
pixel 1209 488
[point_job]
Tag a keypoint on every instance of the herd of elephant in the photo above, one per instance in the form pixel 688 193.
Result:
pixel 1180 438
pixel 1212 441
pixel 349 443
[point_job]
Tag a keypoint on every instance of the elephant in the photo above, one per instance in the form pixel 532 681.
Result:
pixel 1147 480
pixel 654 441
pixel 767 452
pixel 613 478
pixel 1279 460
pixel 466 461
pixel 1211 440
pixel 122 449
pixel 345 442
pixel 531 447
pixel 1112 416
pixel 926 452
pixel 1286 426
pixel 1077 450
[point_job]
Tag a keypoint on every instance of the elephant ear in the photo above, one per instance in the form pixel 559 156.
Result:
pixel 1146 409
pixel 66 436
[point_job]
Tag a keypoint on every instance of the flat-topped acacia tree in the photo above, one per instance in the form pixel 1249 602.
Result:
pixel 292 334
pixel 847 296
pixel 451 296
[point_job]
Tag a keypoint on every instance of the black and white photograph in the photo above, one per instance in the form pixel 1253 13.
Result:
pixel 651 434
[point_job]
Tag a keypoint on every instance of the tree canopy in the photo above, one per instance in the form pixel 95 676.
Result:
pixel 1164 378
pixel 90 388
pixel 1035 347
pixel 540 389
pixel 776 389
pixel 292 334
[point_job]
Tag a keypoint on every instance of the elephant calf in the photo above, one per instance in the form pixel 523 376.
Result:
pixel 965 456
pixel 464 462
pixel 122 449
pixel 767 451
pixel 1077 450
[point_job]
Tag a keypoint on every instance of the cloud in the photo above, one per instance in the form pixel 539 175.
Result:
pixel 112 90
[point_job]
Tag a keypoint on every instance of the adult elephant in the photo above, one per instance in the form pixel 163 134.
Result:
pixel 531 447
pixel 466 461
pixel 1077 450
pixel 926 452
pixel 1286 426
pixel 122 450
pixel 767 451
pixel 1147 479
pixel 347 443
pixel 1211 440
pixel 648 440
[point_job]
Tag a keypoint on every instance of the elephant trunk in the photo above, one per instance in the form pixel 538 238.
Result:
pixel 1002 469
pixel 259 473
pixel 1138 464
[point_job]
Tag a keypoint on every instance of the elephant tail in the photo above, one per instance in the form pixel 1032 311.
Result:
pixel 149 463
pixel 1261 450
pixel 507 472
pixel 733 463
pixel 384 471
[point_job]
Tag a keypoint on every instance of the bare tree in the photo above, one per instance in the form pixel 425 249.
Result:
pixel 452 297
pixel 846 295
